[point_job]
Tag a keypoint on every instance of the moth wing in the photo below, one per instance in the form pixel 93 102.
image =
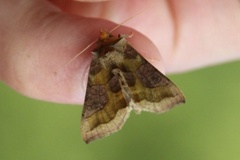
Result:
pixel 105 111
pixel 154 92
pixel 151 90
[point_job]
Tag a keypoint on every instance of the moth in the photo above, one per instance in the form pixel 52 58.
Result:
pixel 121 80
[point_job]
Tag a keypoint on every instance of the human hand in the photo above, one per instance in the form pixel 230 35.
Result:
pixel 38 38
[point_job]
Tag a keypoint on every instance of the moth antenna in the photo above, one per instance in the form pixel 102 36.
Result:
pixel 80 52
pixel 120 24
pixel 109 32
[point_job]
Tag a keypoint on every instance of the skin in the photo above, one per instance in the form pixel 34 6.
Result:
pixel 39 37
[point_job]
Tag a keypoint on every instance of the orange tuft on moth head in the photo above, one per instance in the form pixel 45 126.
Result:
pixel 104 35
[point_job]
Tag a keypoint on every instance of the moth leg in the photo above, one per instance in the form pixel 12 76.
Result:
pixel 123 84
pixel 125 35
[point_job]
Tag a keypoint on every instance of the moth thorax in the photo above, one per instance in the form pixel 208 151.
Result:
pixel 113 57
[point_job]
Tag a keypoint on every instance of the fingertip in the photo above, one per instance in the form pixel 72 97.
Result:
pixel 53 40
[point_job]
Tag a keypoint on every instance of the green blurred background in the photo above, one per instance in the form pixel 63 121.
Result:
pixel 207 127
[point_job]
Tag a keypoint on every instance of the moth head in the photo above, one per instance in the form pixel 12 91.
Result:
pixel 104 35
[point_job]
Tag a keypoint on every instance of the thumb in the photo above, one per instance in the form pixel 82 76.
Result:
pixel 38 42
